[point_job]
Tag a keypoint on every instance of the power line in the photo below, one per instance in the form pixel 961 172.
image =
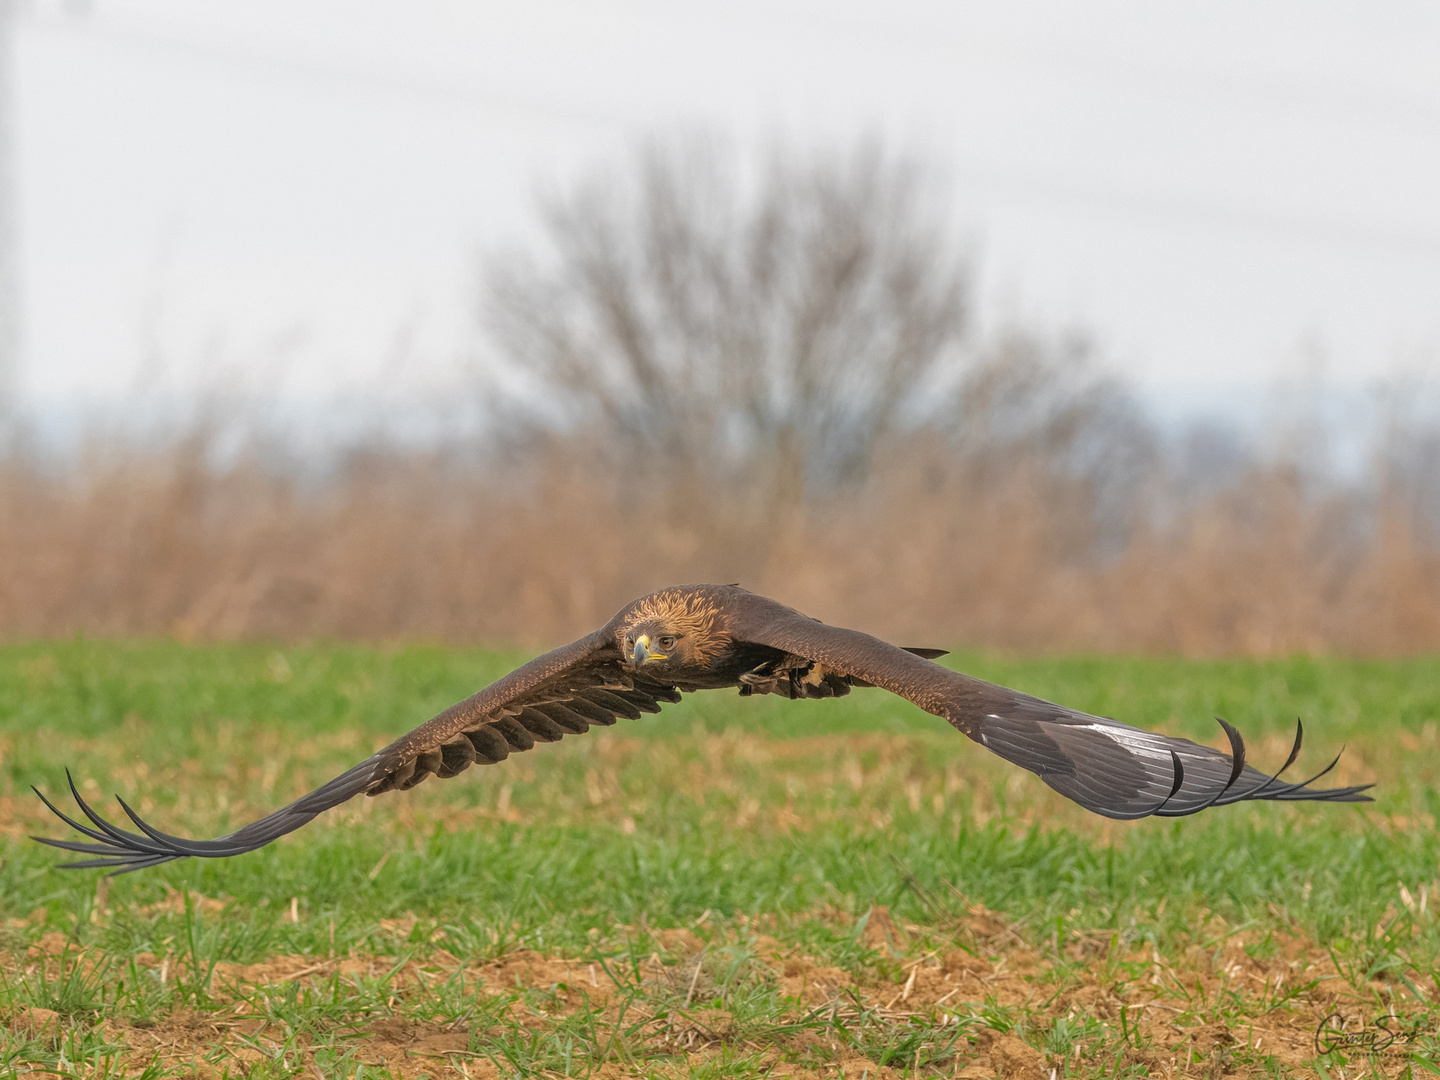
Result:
pixel 400 85
pixel 1036 185
pixel 1017 183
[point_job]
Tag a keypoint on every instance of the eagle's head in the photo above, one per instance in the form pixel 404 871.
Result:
pixel 672 630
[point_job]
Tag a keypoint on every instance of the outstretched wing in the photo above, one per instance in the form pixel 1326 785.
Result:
pixel 560 693
pixel 1105 766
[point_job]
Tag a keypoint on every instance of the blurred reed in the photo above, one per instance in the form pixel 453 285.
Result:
pixel 997 542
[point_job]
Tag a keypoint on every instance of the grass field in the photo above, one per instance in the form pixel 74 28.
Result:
pixel 740 887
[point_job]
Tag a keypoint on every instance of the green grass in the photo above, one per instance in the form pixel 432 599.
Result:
pixel 858 836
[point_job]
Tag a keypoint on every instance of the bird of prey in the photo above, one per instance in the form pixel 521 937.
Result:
pixel 706 637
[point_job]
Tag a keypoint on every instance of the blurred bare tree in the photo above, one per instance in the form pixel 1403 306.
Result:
pixel 698 323
pixel 1048 407
pixel 1407 454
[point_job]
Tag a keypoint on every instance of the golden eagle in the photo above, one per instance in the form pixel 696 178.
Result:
pixel 705 637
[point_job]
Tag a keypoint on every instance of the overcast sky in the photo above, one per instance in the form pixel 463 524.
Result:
pixel 292 193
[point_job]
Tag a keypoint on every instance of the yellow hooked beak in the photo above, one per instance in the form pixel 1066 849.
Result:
pixel 642 651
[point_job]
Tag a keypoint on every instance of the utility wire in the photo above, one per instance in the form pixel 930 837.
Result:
pixel 1025 184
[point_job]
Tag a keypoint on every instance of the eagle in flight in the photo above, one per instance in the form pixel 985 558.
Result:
pixel 707 637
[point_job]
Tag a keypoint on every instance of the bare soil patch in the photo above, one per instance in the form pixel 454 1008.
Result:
pixel 977 999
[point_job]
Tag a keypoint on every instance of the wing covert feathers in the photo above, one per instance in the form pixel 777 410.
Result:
pixel 1107 767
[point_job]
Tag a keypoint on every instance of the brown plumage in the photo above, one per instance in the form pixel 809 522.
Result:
pixel 705 637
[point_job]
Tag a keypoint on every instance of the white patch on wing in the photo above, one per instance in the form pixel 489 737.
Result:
pixel 1137 742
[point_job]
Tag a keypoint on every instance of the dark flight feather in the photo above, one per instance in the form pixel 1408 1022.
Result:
pixel 737 639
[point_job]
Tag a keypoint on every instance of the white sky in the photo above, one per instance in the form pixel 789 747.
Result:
pixel 292 192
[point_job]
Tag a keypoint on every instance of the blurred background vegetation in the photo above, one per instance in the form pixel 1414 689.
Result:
pixel 769 376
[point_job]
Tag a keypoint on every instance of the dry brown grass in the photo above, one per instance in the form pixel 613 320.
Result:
pixel 541 548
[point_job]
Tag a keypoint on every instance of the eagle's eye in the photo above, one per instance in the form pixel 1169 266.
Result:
pixel 667 642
